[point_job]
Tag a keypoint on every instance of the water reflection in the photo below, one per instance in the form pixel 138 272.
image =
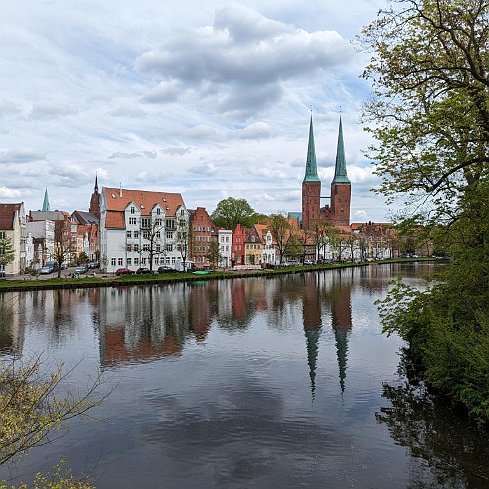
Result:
pixel 216 382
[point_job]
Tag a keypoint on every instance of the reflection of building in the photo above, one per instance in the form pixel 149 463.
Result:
pixel 311 316
pixel 341 318
pixel 12 325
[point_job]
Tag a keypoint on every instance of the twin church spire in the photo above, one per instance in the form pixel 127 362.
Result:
pixel 338 210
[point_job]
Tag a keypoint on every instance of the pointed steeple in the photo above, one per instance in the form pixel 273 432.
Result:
pixel 340 175
pixel 311 166
pixel 45 204
pixel 312 343
pixel 95 189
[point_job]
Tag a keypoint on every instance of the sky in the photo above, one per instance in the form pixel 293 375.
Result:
pixel 211 99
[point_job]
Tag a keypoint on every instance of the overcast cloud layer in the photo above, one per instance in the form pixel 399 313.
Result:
pixel 211 100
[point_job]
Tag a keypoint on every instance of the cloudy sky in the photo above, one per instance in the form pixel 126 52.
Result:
pixel 210 99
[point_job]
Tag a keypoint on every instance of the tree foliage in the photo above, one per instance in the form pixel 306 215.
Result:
pixel 7 252
pixel 31 410
pixel 430 111
pixel 214 254
pixel 281 231
pixel 230 212
pixel 430 70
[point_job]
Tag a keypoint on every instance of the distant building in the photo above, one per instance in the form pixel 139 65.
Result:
pixel 40 243
pixel 269 253
pixel 203 232
pixel 338 211
pixel 225 238
pixel 88 235
pixel 238 253
pixel 12 226
pixel 140 228
pixel 95 201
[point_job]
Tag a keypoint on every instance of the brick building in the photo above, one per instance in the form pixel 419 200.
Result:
pixel 203 232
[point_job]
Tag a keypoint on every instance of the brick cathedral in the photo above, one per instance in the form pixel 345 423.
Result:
pixel 338 211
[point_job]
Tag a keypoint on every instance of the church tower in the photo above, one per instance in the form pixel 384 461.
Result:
pixel 340 186
pixel 45 205
pixel 311 185
pixel 95 200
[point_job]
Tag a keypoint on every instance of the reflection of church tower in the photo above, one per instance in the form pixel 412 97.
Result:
pixel 341 322
pixel 311 316
pixel 95 200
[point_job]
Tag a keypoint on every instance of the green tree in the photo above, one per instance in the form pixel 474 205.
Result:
pixel 430 71
pixel 214 254
pixel 281 231
pixel 230 212
pixel 32 413
pixel 7 252
pixel 430 113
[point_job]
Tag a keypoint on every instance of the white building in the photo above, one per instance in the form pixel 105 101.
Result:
pixel 225 239
pixel 140 228
pixel 269 249
pixel 12 226
pixel 39 243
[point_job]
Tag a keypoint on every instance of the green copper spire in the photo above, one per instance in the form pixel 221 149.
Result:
pixel 311 166
pixel 340 175
pixel 45 204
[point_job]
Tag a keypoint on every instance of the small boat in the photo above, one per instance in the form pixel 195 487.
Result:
pixel 200 272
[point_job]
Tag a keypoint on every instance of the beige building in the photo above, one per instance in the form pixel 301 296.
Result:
pixel 12 226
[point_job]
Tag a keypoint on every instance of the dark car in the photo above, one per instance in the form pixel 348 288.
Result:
pixel 124 271
pixel 166 269
pixel 143 270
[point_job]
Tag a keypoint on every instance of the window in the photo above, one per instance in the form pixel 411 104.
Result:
pixel 169 235
pixel 136 234
pixel 227 239
pixel 119 262
pixel 169 247
pixel 129 262
pixel 136 261
pixel 158 235
pixel 157 222
pixel 145 234
pixel 132 221
pixel 143 261
pixel 156 260
pixel 129 248
pixel 145 222
pixel 112 262
pixel 173 260
pixel 133 210
pixel 158 247
pixel 167 260
pixel 146 247
pixel 158 211
pixel 136 248
pixel 129 234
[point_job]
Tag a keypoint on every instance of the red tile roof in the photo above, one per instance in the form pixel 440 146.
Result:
pixel 117 200
pixel 7 215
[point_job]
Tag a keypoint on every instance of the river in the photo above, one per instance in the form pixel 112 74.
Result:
pixel 284 382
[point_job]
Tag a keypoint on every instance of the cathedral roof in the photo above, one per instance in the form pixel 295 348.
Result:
pixel 340 175
pixel 311 165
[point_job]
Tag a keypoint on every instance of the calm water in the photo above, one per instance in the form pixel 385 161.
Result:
pixel 247 383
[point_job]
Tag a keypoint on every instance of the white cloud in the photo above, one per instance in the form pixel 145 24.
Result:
pixel 21 156
pixel 50 111
pixel 9 193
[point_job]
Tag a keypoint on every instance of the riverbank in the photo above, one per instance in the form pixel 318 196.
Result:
pixel 32 283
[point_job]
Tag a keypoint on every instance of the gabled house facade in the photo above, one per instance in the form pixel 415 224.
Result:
pixel 225 238
pixel 12 226
pixel 140 228
pixel 203 232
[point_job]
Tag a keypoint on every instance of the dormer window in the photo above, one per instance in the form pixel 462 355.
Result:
pixel 158 211
pixel 133 210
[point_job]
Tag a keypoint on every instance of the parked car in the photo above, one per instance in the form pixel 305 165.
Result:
pixel 94 264
pixel 143 270
pixel 64 266
pixel 46 270
pixel 81 269
pixel 308 262
pixel 166 269
pixel 124 271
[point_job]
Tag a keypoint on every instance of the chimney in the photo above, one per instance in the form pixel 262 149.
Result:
pixel 120 190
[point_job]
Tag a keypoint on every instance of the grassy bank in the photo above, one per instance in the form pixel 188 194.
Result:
pixel 32 283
